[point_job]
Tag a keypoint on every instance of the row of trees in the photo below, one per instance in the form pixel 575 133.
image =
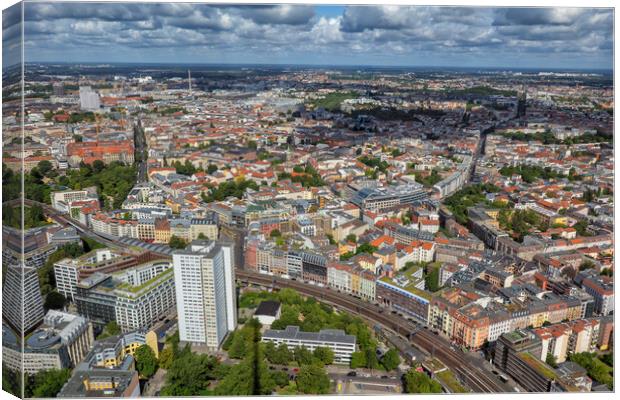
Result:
pixel 307 176
pixel 363 248
pixel 227 189
pixel 530 173
pixel 34 187
pixel 33 217
pixel 468 197
pixel 596 368
pixel 548 138
pixel 520 222
pixel 43 384
pixel 418 382
pixel 113 181
pixel 428 180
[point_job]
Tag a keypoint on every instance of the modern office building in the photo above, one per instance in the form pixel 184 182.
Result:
pixel 95 298
pixel 61 341
pixel 379 199
pixel 22 303
pixel 135 298
pixel 518 354
pixel 342 345
pixel 147 293
pixel 205 292
pixel 407 297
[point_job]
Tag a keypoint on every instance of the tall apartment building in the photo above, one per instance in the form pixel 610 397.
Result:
pixel 89 99
pixel 205 292
pixel 22 303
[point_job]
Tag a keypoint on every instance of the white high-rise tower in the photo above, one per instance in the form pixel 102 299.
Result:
pixel 205 292
pixel 189 81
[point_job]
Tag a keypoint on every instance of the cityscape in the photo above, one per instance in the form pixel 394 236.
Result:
pixel 238 200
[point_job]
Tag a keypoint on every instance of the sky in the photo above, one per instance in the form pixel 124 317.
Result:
pixel 571 38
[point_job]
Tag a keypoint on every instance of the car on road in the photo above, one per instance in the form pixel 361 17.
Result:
pixel 284 369
pixel 295 370
pixel 352 373
pixel 385 377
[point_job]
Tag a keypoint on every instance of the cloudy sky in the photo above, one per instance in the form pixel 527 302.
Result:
pixel 326 35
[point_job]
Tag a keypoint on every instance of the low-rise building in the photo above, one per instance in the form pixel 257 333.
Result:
pixel 342 345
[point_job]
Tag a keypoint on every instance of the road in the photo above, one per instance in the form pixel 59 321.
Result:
pixel 462 364
pixel 140 152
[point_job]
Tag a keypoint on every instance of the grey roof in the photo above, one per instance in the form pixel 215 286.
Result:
pixel 269 308
pixel 75 386
pixel 324 336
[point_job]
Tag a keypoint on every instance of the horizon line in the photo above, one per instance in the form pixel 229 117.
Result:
pixel 315 65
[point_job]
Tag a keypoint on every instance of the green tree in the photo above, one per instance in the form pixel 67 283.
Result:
pixel 166 357
pixel 313 379
pixel 324 354
pixel 303 356
pixel 146 362
pixel 419 382
pixel 211 168
pixel 98 166
pixel 586 264
pixel 47 383
pixel 551 361
pixel 371 358
pixel 275 233
pixel 351 238
pixel 238 347
pixel 190 374
pixel 280 378
pixel 45 167
pixel 390 360
pixel 280 355
pixel 432 279
pixel 54 301
pixel 35 215
pixel 177 242
pixel 111 329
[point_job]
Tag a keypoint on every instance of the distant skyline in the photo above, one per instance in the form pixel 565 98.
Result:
pixel 416 36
